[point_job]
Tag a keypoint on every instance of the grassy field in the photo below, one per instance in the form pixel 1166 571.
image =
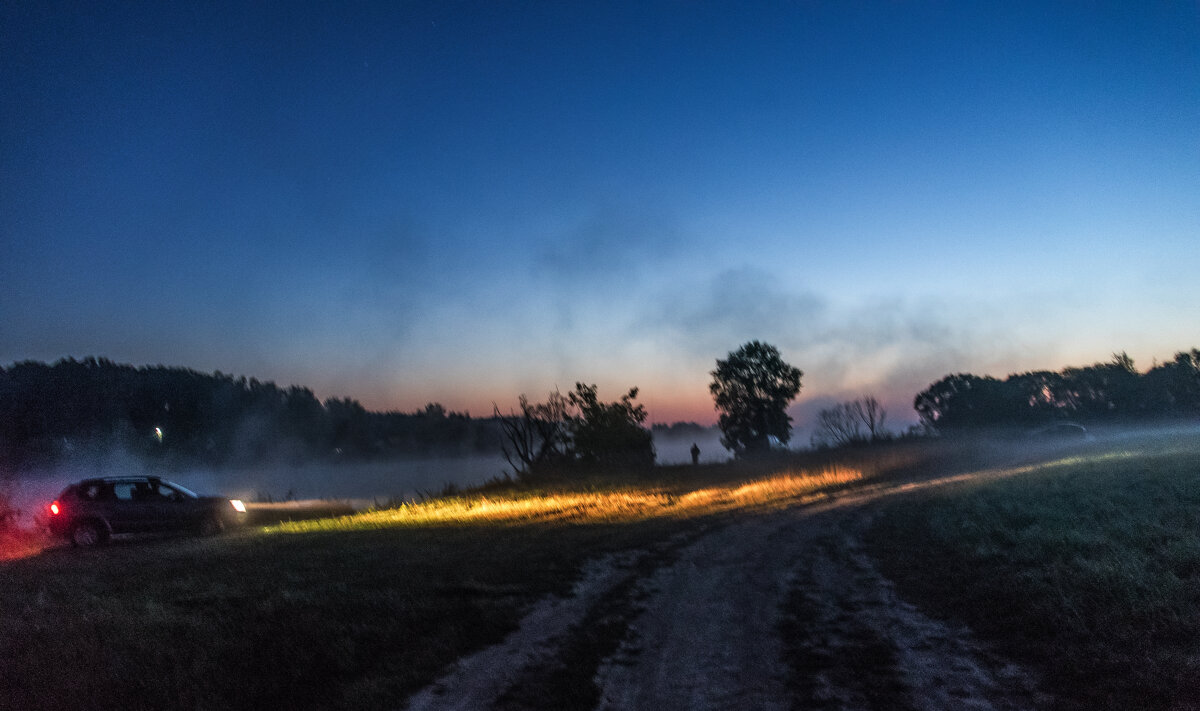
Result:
pixel 1087 568
pixel 348 612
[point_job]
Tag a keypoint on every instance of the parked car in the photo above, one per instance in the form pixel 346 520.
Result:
pixel 90 512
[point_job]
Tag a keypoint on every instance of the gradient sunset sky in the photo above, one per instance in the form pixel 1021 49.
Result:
pixel 404 202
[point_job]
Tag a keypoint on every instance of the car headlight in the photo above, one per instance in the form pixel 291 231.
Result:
pixel 238 505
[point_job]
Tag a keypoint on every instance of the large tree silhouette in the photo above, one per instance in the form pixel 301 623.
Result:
pixel 752 388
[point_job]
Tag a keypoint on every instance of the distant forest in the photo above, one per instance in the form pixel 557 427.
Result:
pixel 77 408
pixel 1102 393
pixel 181 416
pixel 73 407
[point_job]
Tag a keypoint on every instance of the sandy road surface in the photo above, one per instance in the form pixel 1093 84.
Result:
pixel 776 610
pixel 707 636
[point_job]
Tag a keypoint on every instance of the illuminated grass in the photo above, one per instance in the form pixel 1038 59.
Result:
pixel 628 504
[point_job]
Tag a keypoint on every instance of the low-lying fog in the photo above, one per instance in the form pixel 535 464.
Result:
pixel 377 483
pixel 365 484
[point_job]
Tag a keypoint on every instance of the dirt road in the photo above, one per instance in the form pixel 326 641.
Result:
pixel 777 610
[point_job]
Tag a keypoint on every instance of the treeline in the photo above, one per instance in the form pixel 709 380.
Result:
pixel 49 412
pixel 1113 392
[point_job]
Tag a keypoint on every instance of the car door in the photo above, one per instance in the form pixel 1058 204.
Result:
pixel 175 509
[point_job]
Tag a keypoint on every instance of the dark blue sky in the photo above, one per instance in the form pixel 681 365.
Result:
pixel 462 201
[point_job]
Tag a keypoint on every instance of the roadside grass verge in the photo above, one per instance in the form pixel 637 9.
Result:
pixel 622 504
pixel 1087 568
pixel 348 612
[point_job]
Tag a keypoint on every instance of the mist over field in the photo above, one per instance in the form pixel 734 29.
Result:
pixel 672 448
pixel 364 483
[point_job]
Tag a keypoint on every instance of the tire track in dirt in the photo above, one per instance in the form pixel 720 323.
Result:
pixel 479 680
pixel 854 644
pixel 719 629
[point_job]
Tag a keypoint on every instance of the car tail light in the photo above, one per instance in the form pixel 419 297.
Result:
pixel 54 508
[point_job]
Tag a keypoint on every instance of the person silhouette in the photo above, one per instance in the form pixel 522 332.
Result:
pixel 695 454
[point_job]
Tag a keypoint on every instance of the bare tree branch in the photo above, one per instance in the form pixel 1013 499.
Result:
pixel 844 423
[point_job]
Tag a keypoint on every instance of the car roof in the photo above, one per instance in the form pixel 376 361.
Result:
pixel 118 479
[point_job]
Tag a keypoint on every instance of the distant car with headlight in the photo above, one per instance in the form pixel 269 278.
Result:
pixel 92 511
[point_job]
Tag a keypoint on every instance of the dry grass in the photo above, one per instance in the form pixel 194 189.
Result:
pixel 620 505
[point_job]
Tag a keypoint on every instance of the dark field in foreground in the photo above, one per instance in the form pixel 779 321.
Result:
pixel 359 612
pixel 345 620
pixel 1087 569
pixel 354 613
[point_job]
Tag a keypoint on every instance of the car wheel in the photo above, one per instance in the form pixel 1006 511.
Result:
pixel 86 534
pixel 211 526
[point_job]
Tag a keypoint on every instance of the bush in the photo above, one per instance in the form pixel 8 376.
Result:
pixel 576 433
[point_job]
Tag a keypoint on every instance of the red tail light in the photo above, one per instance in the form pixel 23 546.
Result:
pixel 54 508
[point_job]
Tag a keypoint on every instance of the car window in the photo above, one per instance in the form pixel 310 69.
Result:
pixel 93 491
pixel 187 493
pixel 169 491
pixel 144 491
pixel 135 491
pixel 126 490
